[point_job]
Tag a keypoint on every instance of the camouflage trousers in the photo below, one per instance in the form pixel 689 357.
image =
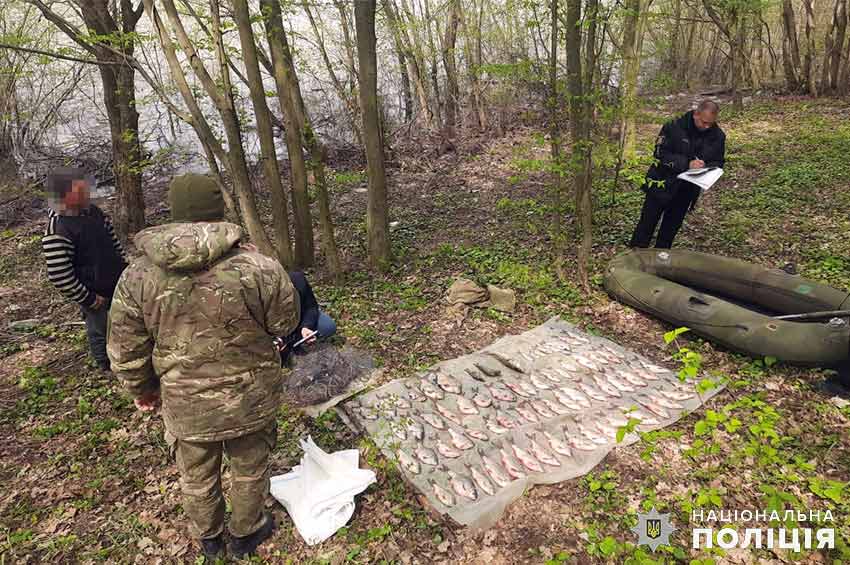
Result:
pixel 200 481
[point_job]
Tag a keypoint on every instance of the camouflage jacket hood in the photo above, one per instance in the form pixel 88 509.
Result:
pixel 187 247
pixel 195 316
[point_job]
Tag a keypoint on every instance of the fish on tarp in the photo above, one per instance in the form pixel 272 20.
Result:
pixel 407 462
pixel 620 385
pixel 447 414
pixel 494 426
pixel 527 460
pixel 446 450
pixel 631 378
pixel 540 407
pixel 591 392
pixel 510 466
pixel 661 401
pixel 448 383
pixel 459 440
pixel 466 406
pixel 481 481
pixel 538 452
pixel 442 494
pixel 676 395
pixel 415 429
pixel 425 455
pixel 606 387
pixel 520 390
pixel 488 371
pixel 431 391
pixel 653 407
pixel 555 407
pixel 506 361
pixel 506 421
pixel 475 433
pixel 433 420
pixel 527 414
pixel 550 376
pixel 558 446
pixel 566 401
pixel 481 400
pixel 494 471
pixel 541 382
pixel 461 484
pixel 501 394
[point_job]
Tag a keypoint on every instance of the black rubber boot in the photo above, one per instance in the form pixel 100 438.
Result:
pixel 247 545
pixel 213 548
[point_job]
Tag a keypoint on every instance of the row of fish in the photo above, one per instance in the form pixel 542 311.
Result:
pixel 544 451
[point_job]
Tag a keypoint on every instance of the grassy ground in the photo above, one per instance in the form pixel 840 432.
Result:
pixel 87 479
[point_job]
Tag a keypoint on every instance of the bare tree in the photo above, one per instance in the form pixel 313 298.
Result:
pixel 377 216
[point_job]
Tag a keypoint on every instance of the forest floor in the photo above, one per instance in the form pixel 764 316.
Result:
pixel 86 478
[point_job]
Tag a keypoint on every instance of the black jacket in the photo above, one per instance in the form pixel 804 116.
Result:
pixel 679 142
pixel 309 305
pixel 83 256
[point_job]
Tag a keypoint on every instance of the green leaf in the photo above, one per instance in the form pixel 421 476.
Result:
pixel 701 428
pixel 671 335
pixel 608 546
pixel 770 361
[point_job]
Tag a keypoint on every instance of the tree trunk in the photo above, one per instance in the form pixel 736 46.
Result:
pixel 452 90
pixel 345 96
pixel 631 69
pixel 739 26
pixel 790 47
pixel 222 97
pixel 303 256
pixel 809 56
pixel 119 97
pixel 406 94
pixel 844 75
pixel 298 129
pixel 435 83
pixel 555 136
pixel 377 216
pixel 673 54
pixel 416 67
pixel 839 22
pixel 578 123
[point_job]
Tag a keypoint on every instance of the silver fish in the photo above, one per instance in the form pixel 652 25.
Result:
pixel 506 421
pixel 646 375
pixel 415 429
pixel 661 401
pixel 566 400
pixel 557 445
pixel 519 389
pixel 494 426
pixel 501 394
pixel 527 414
pixel 576 396
pixel 482 400
pixel 655 368
pixel 408 463
pixel 526 356
pixel 368 413
pixel 631 378
pixel 591 392
pixel 597 357
pixel 646 419
pixel 620 385
pixel 446 450
pixel 554 407
pixel 509 465
pixel 603 385
pixel 607 429
pixel 481 480
pixel 462 485
pixel 442 494
pixel 582 444
pixel 475 433
pixel 425 454
pixel 447 414
pixel 431 391
pixel 494 471
pixel 459 440
pixel 569 366
pixel 653 407
pixel 413 393
pixel 433 420
pixel 589 434
pixel 541 454
pixel 541 409
pixel 448 383
pixel 585 362
pixel 551 376
pixel 526 459
pixel 474 374
pixel 466 406
pixel 541 382
pixel 506 361
pixel 676 394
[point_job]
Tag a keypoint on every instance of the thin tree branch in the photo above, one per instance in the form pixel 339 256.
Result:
pixel 59 55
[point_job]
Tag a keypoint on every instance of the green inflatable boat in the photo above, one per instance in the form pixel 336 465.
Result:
pixel 725 301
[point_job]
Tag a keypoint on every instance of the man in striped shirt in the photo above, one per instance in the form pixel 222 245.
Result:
pixel 84 257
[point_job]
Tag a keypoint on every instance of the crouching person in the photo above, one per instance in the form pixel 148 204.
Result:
pixel 192 326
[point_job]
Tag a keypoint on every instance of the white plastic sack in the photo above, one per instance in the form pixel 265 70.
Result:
pixel 319 493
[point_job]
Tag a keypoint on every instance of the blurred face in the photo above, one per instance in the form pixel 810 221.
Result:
pixel 78 198
pixel 705 119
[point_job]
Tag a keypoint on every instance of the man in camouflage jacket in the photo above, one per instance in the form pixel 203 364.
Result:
pixel 192 324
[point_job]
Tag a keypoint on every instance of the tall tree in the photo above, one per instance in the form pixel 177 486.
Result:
pixel 298 128
pixel 111 39
pixel 377 213
pixel 790 47
pixel 452 90
pixel 303 256
pixel 631 69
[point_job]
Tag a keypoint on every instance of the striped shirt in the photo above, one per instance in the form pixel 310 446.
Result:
pixel 60 253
